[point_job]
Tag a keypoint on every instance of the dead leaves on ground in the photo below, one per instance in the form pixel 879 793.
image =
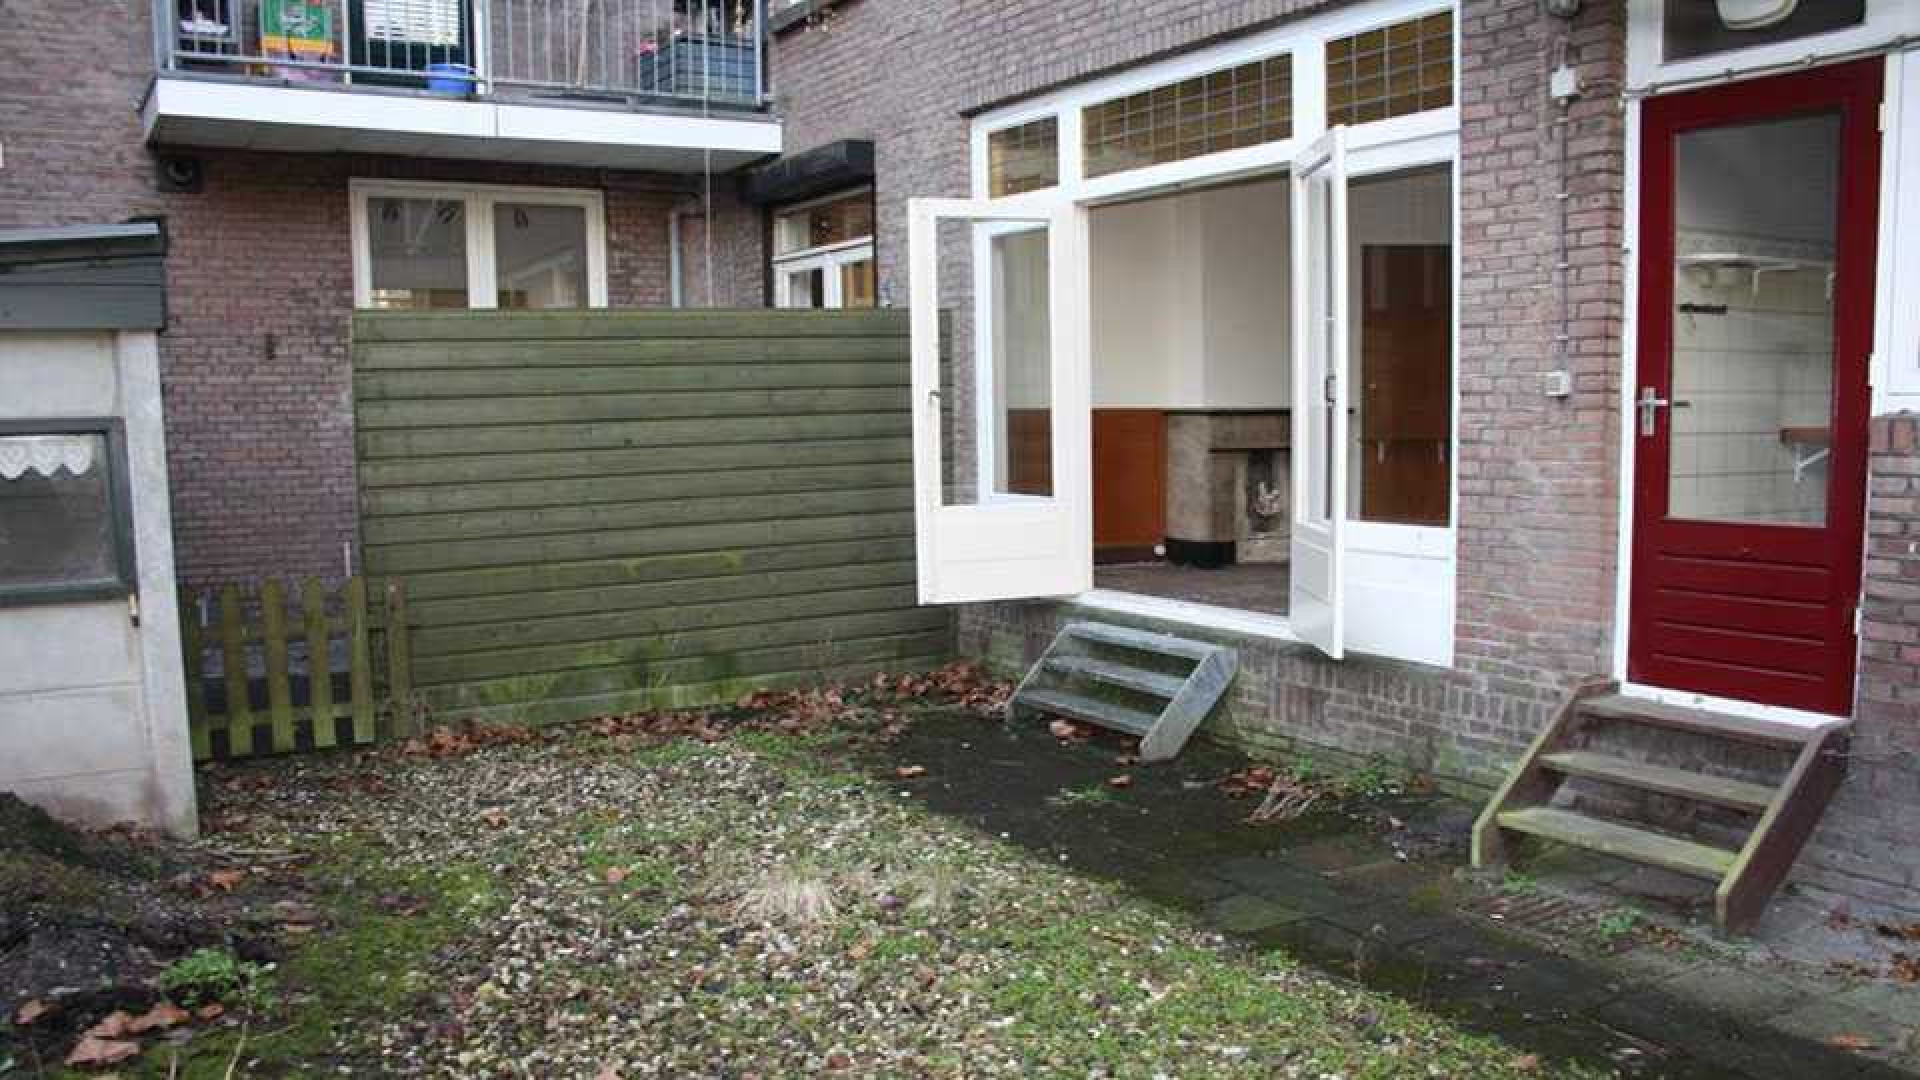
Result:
pixel 116 1037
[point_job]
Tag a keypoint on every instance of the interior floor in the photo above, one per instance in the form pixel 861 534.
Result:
pixel 1260 587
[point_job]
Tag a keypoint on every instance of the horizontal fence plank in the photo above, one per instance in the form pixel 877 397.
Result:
pixel 575 325
pixel 652 648
pixel 475 469
pixel 407 559
pixel 882 353
pixel 550 710
pixel 561 520
pixel 583 491
pixel 614 434
pixel 612 379
pixel 626 678
pixel 572 409
pixel 438 641
pixel 519 581
pixel 656 594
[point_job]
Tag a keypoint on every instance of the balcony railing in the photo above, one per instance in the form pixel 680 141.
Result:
pixel 636 52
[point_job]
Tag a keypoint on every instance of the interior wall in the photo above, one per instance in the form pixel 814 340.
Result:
pixel 1192 300
pixel 1406 208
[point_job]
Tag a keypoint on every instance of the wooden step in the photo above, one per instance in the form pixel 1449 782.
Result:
pixel 1774 733
pixel 1621 841
pixel 1125 637
pixel 1720 791
pixel 1089 710
pixel 1139 680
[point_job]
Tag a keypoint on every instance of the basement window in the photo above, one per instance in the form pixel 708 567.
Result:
pixel 65 525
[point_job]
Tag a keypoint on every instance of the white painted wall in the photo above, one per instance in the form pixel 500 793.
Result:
pixel 1191 300
pixel 93 719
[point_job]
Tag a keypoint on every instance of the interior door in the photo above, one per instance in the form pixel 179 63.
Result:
pixel 1002 496
pixel 1320 339
pixel 1759 220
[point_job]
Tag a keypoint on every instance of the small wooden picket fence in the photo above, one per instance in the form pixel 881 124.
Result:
pixel 371 707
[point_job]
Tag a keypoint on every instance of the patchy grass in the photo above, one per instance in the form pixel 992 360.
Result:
pixel 750 905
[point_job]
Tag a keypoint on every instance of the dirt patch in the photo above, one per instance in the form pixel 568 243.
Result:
pixel 89 920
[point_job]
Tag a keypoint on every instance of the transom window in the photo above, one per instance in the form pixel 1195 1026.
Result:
pixel 1691 28
pixel 1391 71
pixel 823 253
pixel 1023 158
pixel 428 246
pixel 1221 110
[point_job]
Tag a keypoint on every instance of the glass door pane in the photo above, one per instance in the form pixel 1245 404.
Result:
pixel 1755 213
pixel 540 255
pixel 1012 347
pixel 857 284
pixel 417 252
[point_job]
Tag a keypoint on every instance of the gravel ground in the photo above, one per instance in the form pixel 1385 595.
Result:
pixel 610 904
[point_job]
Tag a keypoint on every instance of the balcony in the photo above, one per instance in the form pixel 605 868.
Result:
pixel 672 85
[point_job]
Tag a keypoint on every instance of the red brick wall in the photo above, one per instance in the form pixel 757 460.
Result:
pixel 255 358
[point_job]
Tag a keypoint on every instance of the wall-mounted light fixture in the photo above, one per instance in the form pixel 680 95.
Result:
pixel 1755 14
pixel 1561 9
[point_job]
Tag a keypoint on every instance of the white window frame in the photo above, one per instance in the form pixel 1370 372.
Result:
pixel 828 258
pixel 479 200
pixel 1400 581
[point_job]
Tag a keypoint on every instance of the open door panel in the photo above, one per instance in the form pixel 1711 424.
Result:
pixel 1320 343
pixel 1001 408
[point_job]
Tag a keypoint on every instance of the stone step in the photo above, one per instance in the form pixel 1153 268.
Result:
pixel 1089 710
pixel 1718 790
pixel 1621 841
pixel 1136 679
pixel 1775 733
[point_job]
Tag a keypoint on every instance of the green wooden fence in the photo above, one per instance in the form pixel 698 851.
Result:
pixel 612 510
pixel 288 706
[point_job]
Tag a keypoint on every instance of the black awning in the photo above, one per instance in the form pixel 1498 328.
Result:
pixel 83 277
pixel 819 171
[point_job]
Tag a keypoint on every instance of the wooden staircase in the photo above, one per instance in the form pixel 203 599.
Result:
pixel 1156 686
pixel 1574 751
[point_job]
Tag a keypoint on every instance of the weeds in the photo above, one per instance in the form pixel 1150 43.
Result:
pixel 212 975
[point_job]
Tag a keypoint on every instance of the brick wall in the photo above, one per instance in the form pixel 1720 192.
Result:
pixel 259 419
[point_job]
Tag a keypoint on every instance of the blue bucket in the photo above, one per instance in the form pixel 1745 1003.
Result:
pixel 456 80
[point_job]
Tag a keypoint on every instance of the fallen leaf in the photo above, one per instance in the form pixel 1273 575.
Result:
pixel 31 1011
pixel 1123 780
pixel 93 1051
pixel 607 1072
pixel 114 1025
pixel 1063 729
pixel 838 1060
pixel 909 772
pixel 1849 1041
pixel 210 1012
pixel 494 818
pixel 616 874
pixel 226 880
pixel 1526 1063
pixel 164 1014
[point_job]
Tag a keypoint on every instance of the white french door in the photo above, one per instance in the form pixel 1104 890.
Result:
pixel 1320 343
pixel 1001 404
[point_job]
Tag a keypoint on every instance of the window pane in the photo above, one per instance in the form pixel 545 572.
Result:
pixel 857 286
pixel 1024 158
pixel 540 255
pixel 996 432
pixel 1022 355
pixel 418 252
pixel 1400 69
pixel 1753 326
pixel 1400 289
pixel 837 222
pixel 1221 110
pixel 56 510
pixel 1692 28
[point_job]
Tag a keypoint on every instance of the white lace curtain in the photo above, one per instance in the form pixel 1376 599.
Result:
pixel 46 454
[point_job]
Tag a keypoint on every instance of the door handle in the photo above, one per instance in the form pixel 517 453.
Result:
pixel 1650 403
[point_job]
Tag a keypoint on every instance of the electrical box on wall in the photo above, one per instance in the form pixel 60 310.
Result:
pixel 1564 83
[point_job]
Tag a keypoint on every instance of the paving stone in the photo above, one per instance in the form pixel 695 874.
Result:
pixel 1739 991
pixel 1865 1034
pixel 1247 913
pixel 1898 1002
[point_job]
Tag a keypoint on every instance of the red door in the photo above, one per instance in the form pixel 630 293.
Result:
pixel 1758 223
